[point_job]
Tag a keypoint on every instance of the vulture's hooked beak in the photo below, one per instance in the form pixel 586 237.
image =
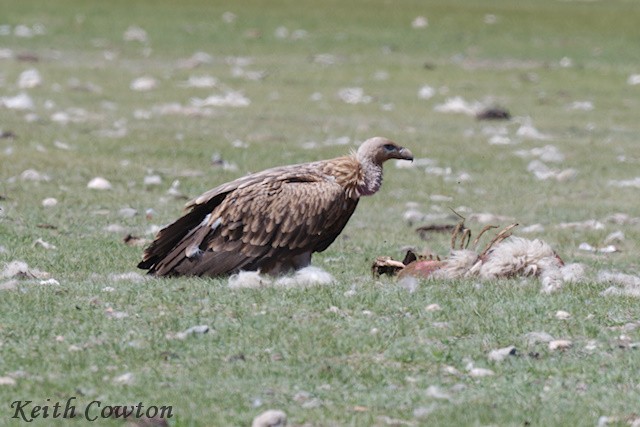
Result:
pixel 405 154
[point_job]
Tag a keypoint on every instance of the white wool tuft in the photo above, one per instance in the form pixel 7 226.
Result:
pixel 573 273
pixel 20 269
pixel 458 265
pixel 248 280
pixel 308 276
pixel 619 278
pixel 518 256
pixel 630 284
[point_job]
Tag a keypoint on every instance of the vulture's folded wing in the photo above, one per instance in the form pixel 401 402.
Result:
pixel 257 222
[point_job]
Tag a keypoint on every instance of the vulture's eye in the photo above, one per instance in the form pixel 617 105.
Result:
pixel 389 147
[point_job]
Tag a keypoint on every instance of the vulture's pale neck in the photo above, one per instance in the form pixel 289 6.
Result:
pixel 371 175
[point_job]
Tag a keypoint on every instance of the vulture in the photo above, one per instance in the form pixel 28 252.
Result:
pixel 270 221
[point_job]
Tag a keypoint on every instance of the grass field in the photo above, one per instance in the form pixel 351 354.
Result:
pixel 363 351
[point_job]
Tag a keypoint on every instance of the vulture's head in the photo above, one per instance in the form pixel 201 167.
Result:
pixel 378 150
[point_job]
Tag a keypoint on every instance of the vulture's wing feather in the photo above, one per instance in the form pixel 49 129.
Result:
pixel 254 222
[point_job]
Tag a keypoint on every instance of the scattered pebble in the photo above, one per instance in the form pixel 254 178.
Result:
pixel 559 345
pixel 21 101
pixel 43 244
pixel 608 249
pixel 457 105
pixel 533 338
pixel 49 202
pixel 135 33
pixel 633 80
pixel 426 92
pixel 50 282
pixel 34 175
pixel 127 212
pixel 419 22
pixel 143 84
pixel 354 95
pixel 7 381
pixel 193 330
pixel 114 314
pixel 270 418
pixel 502 353
pixel 562 315
pixel 124 379
pixel 20 270
pixel 29 79
pixel 433 307
pixel 99 183
pixel 480 372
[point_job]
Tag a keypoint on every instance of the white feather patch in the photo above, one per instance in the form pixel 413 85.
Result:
pixel 308 276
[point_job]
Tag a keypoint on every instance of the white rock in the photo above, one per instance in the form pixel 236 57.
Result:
pixel 538 337
pixel 634 79
pixel 436 392
pixel 7 381
pixel 21 101
pixel 49 282
pixel 196 330
pixel 43 244
pixel 433 307
pixel 459 105
pixel 124 379
pixel 143 84
pixel 270 418
pixel 229 99
pixel 581 105
pixel 135 33
pixel 99 183
pixel 354 95
pixel 152 180
pixel 500 354
pixel 49 202
pixel 559 345
pixel 29 79
pixel 563 315
pixel 419 22
pixel 127 212
pixel 34 175
pixel 20 269
pixel 480 372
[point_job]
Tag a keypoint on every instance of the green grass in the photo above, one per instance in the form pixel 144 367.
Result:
pixel 372 361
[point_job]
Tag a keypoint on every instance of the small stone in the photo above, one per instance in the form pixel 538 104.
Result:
pixel 270 418
pixel 562 315
pixel 43 244
pixel 7 381
pixel 433 307
pixel 480 372
pixel 537 337
pixel 34 175
pixel 29 79
pixel 99 183
pixel 151 180
pixel 559 345
pixel 49 202
pixel 502 353
pixel 124 379
pixel 127 212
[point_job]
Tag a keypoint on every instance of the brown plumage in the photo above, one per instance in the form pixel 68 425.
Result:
pixel 270 221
